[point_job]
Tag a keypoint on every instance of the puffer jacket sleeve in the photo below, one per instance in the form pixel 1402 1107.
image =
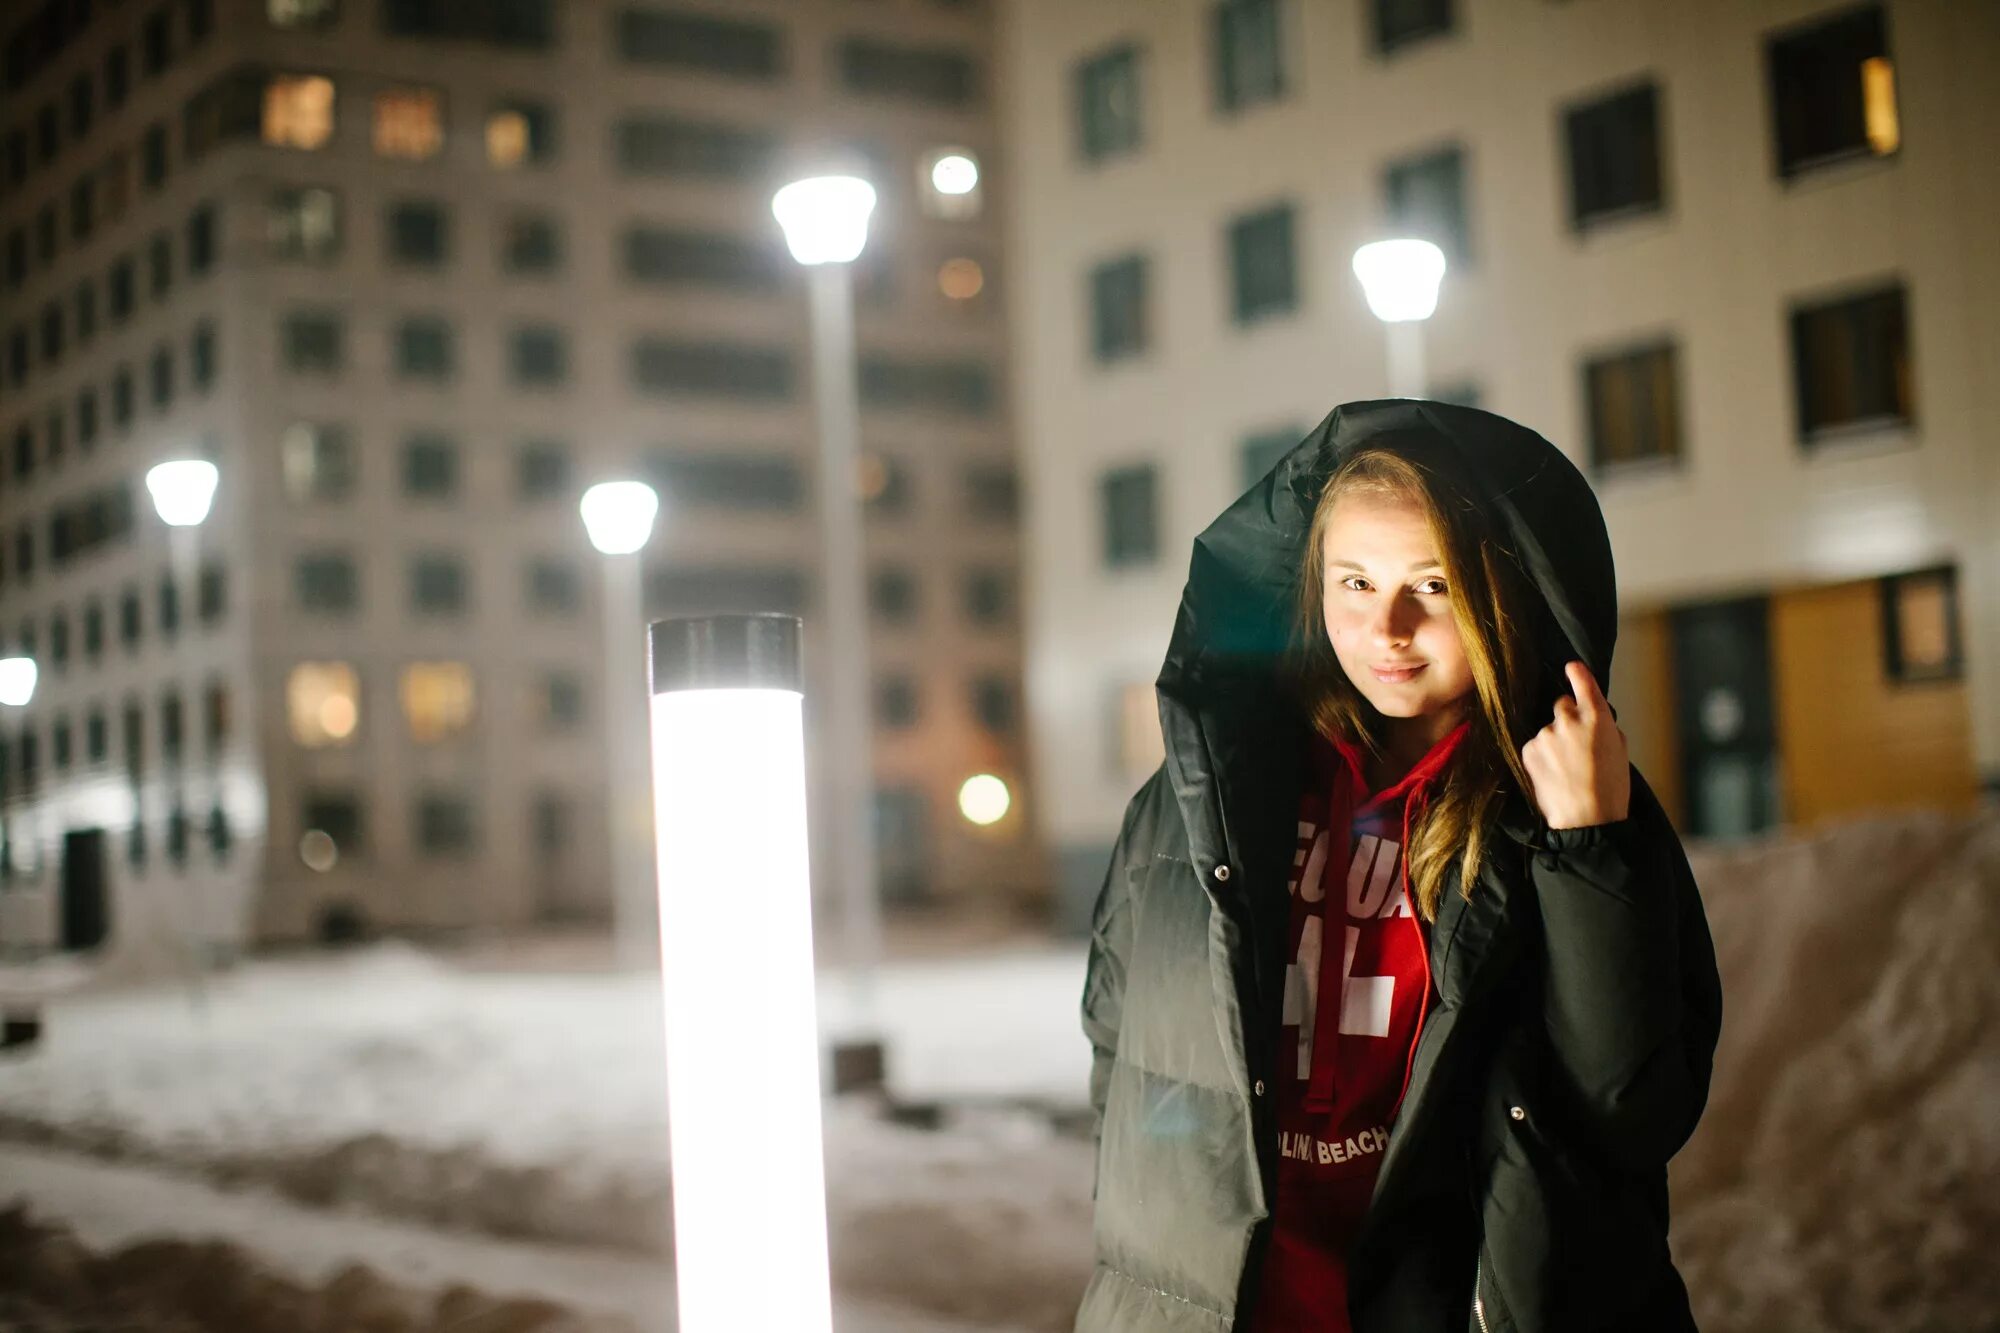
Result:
pixel 1111 941
pixel 1631 1000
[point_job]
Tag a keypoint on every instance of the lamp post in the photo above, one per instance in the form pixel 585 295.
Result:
pixel 1401 280
pixel 618 515
pixel 743 1095
pixel 825 220
pixel 183 490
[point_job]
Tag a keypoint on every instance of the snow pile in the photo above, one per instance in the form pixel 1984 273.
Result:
pixel 1844 1175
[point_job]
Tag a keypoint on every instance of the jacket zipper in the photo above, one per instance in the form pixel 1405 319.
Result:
pixel 1478 1305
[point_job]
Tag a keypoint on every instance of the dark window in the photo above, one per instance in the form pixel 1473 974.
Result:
pixel 531 243
pixel 160 265
pixel 17 258
pixel 45 234
pixel 1614 156
pixel 153 156
pixel 52 431
pixel 313 341
pixel 698 42
pixel 1249 53
pixel 1109 115
pixel 1922 639
pixel 124 397
pixel 17 355
pixel 326 581
pixel 318 461
pixel 542 470
pixel 896 701
pixel 562 699
pixel 81 104
pixel 885 485
pixel 93 633
pixel 124 288
pixel 117 75
pixel 96 737
pixel 48 134
pixel 1118 317
pixel 700 258
pixel 424 348
pixel 156 43
pixel 1833 91
pixel 430 467
pixel 553 587
pixel 161 377
pixel 1634 406
pixel 83 207
pixel 723 370
pixel 211 593
pixel 170 607
pixel 892 594
pixel 953 386
pixel 439 584
pixel 1397 23
pixel 508 23
pixel 218 831
pixel 86 418
pixel 993 703
pixel 59 744
pixel 201 240
pixel 684 590
pixel 1130 501
pixel 52 333
pixel 728 481
pixel 215 716
pixel 172 727
pixel 933 76
pixel 59 640
pixel 1261 452
pixel 520 133
pixel 24 451
pixel 201 357
pixel 1425 195
pixel 304 223
pixel 444 825
pixel 86 311
pixel 989 596
pixel 418 233
pixel 538 357
pixel 130 626
pixel 992 491
pixel 1264 279
pixel 668 146
pixel 200 19
pixel 1851 363
pixel 336 814
pixel 550 819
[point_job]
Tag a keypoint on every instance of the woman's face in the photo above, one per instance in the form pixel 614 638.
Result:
pixel 1387 606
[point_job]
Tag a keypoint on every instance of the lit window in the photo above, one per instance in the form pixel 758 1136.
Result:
pixel 409 123
pixel 298 111
pixel 519 134
pixel 323 700
pixel 437 699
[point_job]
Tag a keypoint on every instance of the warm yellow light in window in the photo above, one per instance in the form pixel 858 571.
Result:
pixel 506 138
pixel 1878 104
pixel 409 122
pixel 298 110
pixel 961 279
pixel 437 699
pixel 323 702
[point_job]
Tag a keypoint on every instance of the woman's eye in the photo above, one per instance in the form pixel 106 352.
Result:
pixel 1352 579
pixel 1439 582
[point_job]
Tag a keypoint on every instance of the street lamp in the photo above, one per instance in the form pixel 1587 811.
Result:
pixel 743 1080
pixel 825 219
pixel 1401 280
pixel 619 516
pixel 183 490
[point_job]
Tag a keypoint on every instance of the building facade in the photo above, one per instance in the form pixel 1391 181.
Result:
pixel 1734 259
pixel 413 276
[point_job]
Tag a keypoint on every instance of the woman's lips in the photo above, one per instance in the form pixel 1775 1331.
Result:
pixel 1396 677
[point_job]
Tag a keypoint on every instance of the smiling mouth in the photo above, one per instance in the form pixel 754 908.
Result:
pixel 1397 674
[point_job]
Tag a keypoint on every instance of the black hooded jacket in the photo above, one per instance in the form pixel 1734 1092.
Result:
pixel 1568 1054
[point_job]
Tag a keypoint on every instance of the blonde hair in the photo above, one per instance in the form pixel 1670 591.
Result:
pixel 1489 597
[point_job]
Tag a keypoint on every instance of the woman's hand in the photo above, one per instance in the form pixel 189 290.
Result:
pixel 1577 765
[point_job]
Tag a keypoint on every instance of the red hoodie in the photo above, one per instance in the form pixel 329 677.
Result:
pixel 1355 999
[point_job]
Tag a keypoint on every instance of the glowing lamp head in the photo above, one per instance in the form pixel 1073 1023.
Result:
pixel 1400 278
pixel 17 680
pixel 619 515
pixel 955 173
pixel 984 799
pixel 182 490
pixel 825 217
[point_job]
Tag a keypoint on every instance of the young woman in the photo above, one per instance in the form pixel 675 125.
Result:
pixel 1400 990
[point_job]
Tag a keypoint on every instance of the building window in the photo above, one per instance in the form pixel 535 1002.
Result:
pixel 302 13
pixel 552 587
pixel 1249 53
pixel 1634 406
pixel 200 20
pixel 537 357
pixel 1263 273
pixel 1921 636
pixel 438 700
pixel 1425 198
pixel 1398 23
pixel 542 470
pixel 337 816
pixel 156 47
pixel 670 255
pixel 519 24
pixel 409 123
pixel 160 265
pixel 160 375
pixel 989 598
pixel 531 243
pixel 201 240
pixel 96 737
pixel 728 480
pixel 714 588
pixel 1118 313
pixel 59 641
pixel 1107 104
pixel 218 831
pixel 322 704
pixel 211 593
pixel 1261 452
pixel 712 369
pixel 317 461
pixel 117 75
pixel 993 703
pixel 312 342
pixel 424 348
pixel 520 134
pixel 558 701
pixel 992 492
pixel 1833 91
pixel 130 614
pixel 716 45
pixel 86 311
pixel 892 595
pixel 670 146
pixel 430 467
pixel 298 111
pixel 124 287
pixel 303 223
pixel 326 582
pixel 82 207
pixel 418 233
pixel 439 585
pixel 153 156
pixel 444 825
pixel 201 357
pixel 549 820
pixel 955 387
pixel 1614 156
pixel 896 701
pixel 1851 363
pixel 1129 497
pixel 52 333
pixel 124 398
pixel 932 76
pixel 172 728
